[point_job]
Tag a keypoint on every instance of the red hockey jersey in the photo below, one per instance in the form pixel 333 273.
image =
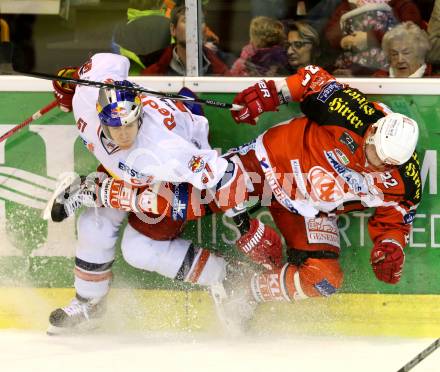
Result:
pixel 317 164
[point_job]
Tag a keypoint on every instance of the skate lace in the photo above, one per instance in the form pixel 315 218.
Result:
pixel 77 308
pixel 74 202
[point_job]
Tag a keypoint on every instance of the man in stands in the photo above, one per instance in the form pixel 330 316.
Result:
pixel 172 59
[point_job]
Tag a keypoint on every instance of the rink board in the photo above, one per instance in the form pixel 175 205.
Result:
pixel 193 311
pixel 34 253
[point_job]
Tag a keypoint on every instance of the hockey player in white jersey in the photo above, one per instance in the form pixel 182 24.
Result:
pixel 143 143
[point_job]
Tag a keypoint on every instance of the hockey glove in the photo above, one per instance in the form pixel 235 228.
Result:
pixel 261 244
pixel 255 100
pixel 153 198
pixel 387 260
pixel 64 91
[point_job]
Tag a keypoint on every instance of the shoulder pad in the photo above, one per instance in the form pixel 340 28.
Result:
pixel 342 106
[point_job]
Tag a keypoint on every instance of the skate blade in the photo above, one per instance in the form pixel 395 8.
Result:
pixel 231 325
pixel 65 181
pixel 83 328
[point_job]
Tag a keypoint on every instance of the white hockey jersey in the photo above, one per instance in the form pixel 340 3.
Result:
pixel 171 145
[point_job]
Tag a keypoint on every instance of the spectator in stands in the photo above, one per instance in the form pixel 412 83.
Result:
pixel 358 41
pixel 302 45
pixel 406 47
pixel 434 34
pixel 133 38
pixel 265 54
pixel 172 59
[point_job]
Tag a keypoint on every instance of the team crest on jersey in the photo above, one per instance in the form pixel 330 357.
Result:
pixel 341 156
pixel 325 187
pixel 196 164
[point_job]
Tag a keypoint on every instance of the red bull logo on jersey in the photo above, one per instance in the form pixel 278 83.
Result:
pixel 196 164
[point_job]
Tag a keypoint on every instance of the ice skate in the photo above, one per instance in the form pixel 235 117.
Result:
pixel 71 193
pixel 80 315
pixel 234 303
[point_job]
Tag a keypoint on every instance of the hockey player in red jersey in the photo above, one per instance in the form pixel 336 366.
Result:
pixel 345 154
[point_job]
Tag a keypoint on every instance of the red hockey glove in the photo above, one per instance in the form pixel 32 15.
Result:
pixel 255 100
pixel 387 260
pixel 64 91
pixel 261 244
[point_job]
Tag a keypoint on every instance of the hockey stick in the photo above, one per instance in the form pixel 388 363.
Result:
pixel 29 120
pixel 419 357
pixel 98 84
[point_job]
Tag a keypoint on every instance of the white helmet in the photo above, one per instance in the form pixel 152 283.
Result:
pixel 395 138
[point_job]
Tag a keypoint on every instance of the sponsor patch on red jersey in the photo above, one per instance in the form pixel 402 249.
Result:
pixel 322 231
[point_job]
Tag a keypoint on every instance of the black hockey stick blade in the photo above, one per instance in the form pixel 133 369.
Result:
pixel 137 88
pixel 419 357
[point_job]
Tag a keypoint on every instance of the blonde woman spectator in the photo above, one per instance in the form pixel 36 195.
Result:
pixel 406 47
pixel 265 54
pixel 302 45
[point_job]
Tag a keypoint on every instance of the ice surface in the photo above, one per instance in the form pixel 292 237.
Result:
pixel 192 352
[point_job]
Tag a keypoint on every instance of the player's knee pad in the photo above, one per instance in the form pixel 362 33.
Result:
pixel 156 227
pixel 97 234
pixel 177 259
pixel 314 278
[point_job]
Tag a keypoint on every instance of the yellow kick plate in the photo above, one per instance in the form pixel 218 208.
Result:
pixel 167 311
